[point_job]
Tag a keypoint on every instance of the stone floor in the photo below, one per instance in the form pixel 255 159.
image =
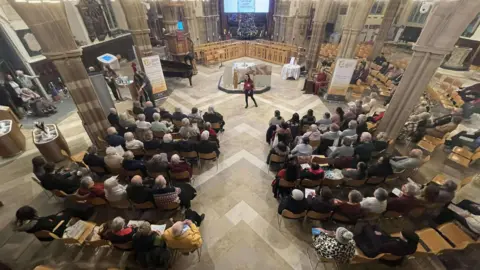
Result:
pixel 241 230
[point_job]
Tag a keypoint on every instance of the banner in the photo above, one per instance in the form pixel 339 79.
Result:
pixel 342 75
pixel 153 68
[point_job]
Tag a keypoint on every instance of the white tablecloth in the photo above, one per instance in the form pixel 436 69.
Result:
pixel 289 70
pixel 242 69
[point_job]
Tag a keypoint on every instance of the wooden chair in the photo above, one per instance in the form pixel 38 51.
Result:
pixel 177 123
pixel 45 235
pixel 320 160
pixel 276 159
pixel 427 146
pixel 464 162
pixel 125 246
pixel 180 176
pixel 286 184
pixel 216 126
pixel 189 155
pixel 375 180
pixel 318 216
pixel 342 219
pixel 208 157
pixel 455 235
pixel 169 206
pixel 289 215
pixel 176 253
pixel 331 183
pixel 354 183
pixel 434 241
pixel 176 136
pixel 310 183
pixel 465 152
pixel 143 206
pixel 59 193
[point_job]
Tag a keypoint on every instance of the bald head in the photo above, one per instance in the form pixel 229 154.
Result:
pixel 177 228
pixel 137 180
pixel 113 111
pixel 160 180
pixel 148 104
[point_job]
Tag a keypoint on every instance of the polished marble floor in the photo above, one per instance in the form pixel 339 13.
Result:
pixel 241 230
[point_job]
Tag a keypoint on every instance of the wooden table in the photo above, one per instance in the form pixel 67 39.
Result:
pixel 89 227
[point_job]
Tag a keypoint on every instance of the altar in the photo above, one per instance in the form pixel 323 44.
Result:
pixel 233 75
pixel 242 69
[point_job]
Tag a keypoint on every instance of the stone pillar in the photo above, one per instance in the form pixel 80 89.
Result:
pixel 137 23
pixel 192 22
pixel 354 21
pixel 49 24
pixel 447 20
pixel 322 9
pixel 387 21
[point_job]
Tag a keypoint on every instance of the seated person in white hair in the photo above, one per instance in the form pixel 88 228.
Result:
pixel 149 143
pixel 362 124
pixel 213 116
pixel 333 134
pixel 313 134
pixel 114 191
pixel 370 103
pixel 338 246
pixel 117 231
pixel 414 160
pixel 158 164
pixel 113 139
pixel 188 130
pixel 131 164
pixel 178 166
pixel 142 126
pixel 296 203
pixel 127 122
pixel 205 146
pixel 160 126
pixel 183 235
pixel 168 145
pixel 113 160
pixel 178 115
pixel 376 204
pixel 182 193
pixel 149 110
pixel 131 143
pixel 303 149
pixel 351 130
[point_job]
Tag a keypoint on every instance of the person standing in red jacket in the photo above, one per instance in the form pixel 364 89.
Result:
pixel 248 88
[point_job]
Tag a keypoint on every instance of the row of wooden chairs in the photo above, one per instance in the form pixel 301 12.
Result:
pixel 332 183
pixel 464 156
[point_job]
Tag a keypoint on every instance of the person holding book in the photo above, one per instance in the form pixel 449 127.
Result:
pixel 376 204
pixel 183 235
pixel 117 231
pixel 338 246
pixel 321 200
pixel 406 201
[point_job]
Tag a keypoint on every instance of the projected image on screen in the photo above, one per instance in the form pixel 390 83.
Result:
pixel 246 6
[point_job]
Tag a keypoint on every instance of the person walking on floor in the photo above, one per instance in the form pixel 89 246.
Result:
pixel 248 88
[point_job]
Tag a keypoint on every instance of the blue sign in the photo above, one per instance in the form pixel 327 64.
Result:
pixel 106 58
pixel 180 25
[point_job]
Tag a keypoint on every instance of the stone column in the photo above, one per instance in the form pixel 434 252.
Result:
pixel 49 24
pixel 137 23
pixel 387 21
pixel 322 9
pixel 447 20
pixel 354 21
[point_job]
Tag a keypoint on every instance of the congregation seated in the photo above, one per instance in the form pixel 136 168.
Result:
pixel 127 122
pixel 441 131
pixel 195 117
pixel 131 164
pixel 280 150
pixel 131 143
pixel 338 246
pixel 321 201
pixel 277 119
pixel 382 168
pixel 338 117
pixel 333 134
pixel 185 144
pixel 90 189
pixel 294 125
pixel 313 134
pixel 52 180
pixel 159 126
pixel 296 203
pixel 142 124
pixel 376 204
pixel 359 173
pixel 38 164
pixel 211 131
pixel 165 115
pixel 346 150
pixel 187 130
pixel 380 142
pixel 283 133
pixel 370 103
pixel 414 160
pixel 149 143
pixel 407 200
pixel 113 139
pixel 362 124
pixel 351 208
pixel 429 194
pixel 358 108
pixel 178 115
pixel 150 252
pixel 112 159
pixel 315 172
pixel 351 130
pixel 27 220
pixel 92 159
pixel 325 122
pixel 117 232
pixel 164 195
pixel 137 108
pixel 114 191
pixel 137 192
pixel 386 66
pixel 205 146
pixel 113 118
pixel 290 174
pixel 148 111
pixel 157 164
pixel 308 119
pixel 303 149
pixel 183 235
pixel 214 117
pixel 168 145
pixel 363 151
pixel 178 166
pixel 372 242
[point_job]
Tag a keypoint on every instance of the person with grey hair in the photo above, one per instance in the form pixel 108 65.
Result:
pixel 112 159
pixel 139 193
pixel 159 126
pixel 414 160
pixel 213 116
pixel 205 146
pixel 351 209
pixel 158 164
pixel 333 134
pixel 141 123
pixel 117 232
pixel 164 114
pixel 325 121
pixel 137 107
pixel 277 119
pixel 376 204
pixel 92 159
pixel 149 110
pixel 313 134
pixel 113 118
pixel 380 142
pixel 359 173
pixel 131 143
pixel 362 124
pixel 406 201
pixel 447 192
pixel 127 122
pixel 187 130
pixel 346 150
pixel 338 246
pixel 90 189
pixel 185 144
pixel 168 145
pixel 178 115
pixel 113 139
pixel 296 203
pixel 178 165
pixel 196 116
pixel 114 192
pixel 131 164
pixel 363 151
pixel 351 130
pixel 302 149
pixel 149 143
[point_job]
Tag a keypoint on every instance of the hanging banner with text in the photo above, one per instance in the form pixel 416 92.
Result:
pixel 153 68
pixel 341 77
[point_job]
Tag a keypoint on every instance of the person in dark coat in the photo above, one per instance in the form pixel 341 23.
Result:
pixel 321 201
pixel 113 139
pixel 351 208
pixel 382 168
pixel 60 181
pixel 149 111
pixel 270 132
pixel 213 116
pixel 205 146
pixel 406 201
pixel 150 252
pixel 29 221
pixel 164 114
pixel 308 119
pixel 149 143
pixel 137 192
pixel 185 144
pixel 178 115
pixel 363 151
pixel 92 159
pixel 113 118
pixel 296 203
pixel 131 164
pixel 379 60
